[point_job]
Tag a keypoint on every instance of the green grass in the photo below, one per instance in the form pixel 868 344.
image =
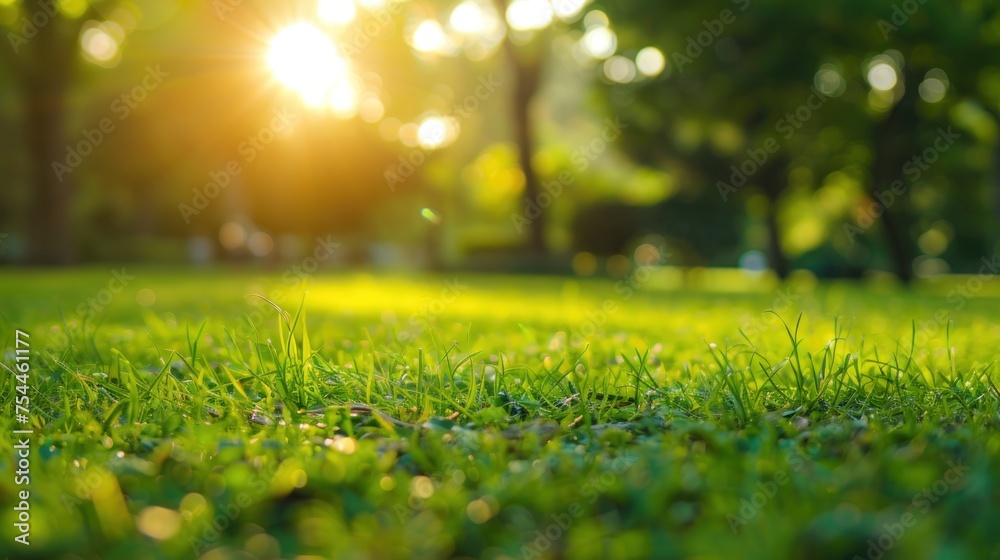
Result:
pixel 185 418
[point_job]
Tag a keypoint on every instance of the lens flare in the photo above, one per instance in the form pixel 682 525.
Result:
pixel 304 59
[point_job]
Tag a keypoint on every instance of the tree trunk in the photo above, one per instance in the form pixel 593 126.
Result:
pixel 896 238
pixel 527 85
pixel 774 179
pixel 45 80
pixel 527 72
pixel 775 254
pixel 886 166
pixel 996 189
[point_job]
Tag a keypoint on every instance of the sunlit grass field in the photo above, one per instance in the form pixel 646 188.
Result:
pixel 271 414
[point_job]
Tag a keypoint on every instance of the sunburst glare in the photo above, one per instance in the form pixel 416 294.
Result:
pixel 305 59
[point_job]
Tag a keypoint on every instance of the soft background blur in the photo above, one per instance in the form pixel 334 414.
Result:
pixel 849 138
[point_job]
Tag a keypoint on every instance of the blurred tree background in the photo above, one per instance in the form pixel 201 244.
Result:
pixel 546 135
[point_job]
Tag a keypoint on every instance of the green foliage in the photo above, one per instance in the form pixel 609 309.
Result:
pixel 740 74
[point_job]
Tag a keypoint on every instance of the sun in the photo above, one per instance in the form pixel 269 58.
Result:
pixel 304 59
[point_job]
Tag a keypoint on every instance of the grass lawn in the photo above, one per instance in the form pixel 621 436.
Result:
pixel 174 416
